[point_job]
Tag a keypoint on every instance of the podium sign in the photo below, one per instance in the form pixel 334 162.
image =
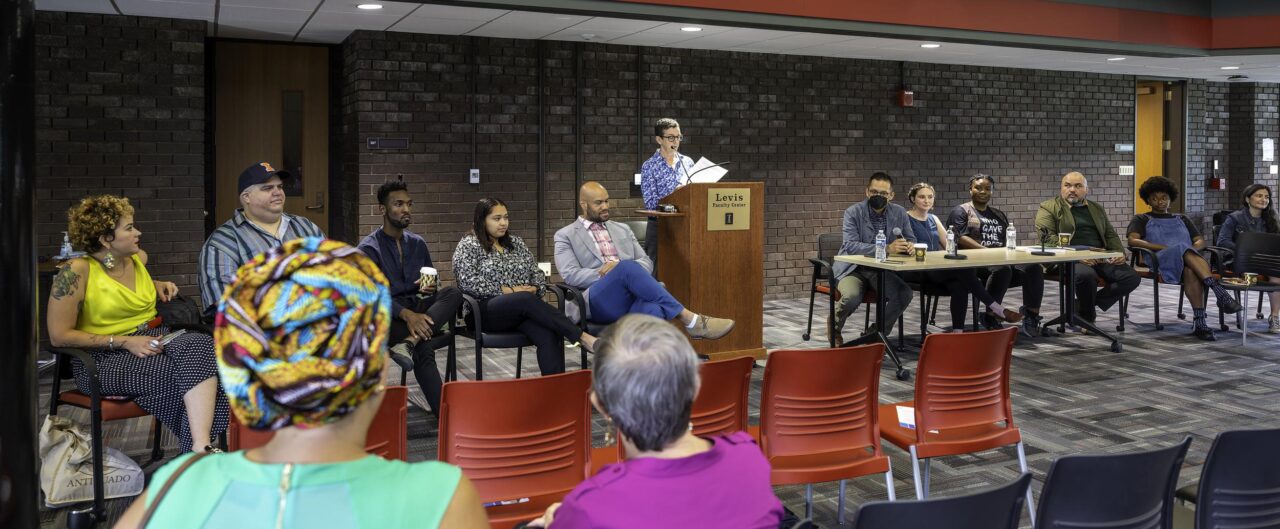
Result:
pixel 729 208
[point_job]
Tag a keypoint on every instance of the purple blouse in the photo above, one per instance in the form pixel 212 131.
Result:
pixel 727 486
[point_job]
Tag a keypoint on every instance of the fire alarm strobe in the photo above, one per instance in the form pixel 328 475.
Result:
pixel 906 98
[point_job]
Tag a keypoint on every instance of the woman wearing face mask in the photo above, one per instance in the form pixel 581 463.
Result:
pixel 1175 241
pixel 960 283
pixel 496 267
pixel 1258 215
pixel 105 303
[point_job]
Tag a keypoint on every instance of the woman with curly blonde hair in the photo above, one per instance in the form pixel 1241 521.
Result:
pixel 105 302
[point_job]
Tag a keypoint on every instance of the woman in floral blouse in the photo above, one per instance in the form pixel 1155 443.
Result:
pixel 497 268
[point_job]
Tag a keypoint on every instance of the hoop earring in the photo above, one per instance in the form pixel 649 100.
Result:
pixel 109 262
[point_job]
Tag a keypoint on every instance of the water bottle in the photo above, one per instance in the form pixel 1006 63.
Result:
pixel 951 242
pixel 882 249
pixel 1010 238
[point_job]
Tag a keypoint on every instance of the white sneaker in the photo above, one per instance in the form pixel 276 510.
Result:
pixel 1273 325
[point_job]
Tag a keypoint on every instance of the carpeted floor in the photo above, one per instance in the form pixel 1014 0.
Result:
pixel 1071 395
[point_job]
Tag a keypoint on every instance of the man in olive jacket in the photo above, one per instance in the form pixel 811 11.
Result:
pixel 1088 224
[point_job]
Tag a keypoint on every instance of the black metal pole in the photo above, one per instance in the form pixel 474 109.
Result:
pixel 18 457
pixel 577 112
pixel 542 148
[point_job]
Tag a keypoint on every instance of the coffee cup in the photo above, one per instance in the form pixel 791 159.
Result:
pixel 1064 239
pixel 427 277
pixel 545 266
pixel 920 249
pixel 1250 278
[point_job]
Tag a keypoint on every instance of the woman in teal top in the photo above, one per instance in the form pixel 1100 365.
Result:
pixel 301 341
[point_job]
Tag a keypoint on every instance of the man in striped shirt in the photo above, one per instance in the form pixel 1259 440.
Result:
pixel 257 226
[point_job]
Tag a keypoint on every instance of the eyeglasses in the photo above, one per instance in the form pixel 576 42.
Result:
pixel 673 138
pixel 881 193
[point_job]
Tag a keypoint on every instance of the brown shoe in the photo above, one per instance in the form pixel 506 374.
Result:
pixel 708 328
pixel 833 333
pixel 1011 316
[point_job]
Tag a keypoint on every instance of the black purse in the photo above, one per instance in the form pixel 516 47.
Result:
pixel 179 312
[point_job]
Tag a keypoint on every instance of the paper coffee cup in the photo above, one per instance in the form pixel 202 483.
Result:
pixel 546 268
pixel 920 249
pixel 1064 239
pixel 427 277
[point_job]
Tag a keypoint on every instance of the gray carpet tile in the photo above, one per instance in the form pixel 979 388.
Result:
pixel 1071 395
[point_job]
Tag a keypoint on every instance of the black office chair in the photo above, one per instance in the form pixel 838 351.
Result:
pixel 1124 491
pixel 823 281
pixel 474 329
pixel 997 507
pixel 1239 483
pixel 1257 253
pixel 1222 262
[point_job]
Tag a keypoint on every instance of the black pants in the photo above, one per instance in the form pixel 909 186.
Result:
pixel 1120 280
pixel 1030 276
pixel 441 308
pixel 545 326
pixel 960 284
pixel 651 243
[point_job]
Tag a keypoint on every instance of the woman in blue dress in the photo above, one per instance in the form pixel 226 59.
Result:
pixel 1175 241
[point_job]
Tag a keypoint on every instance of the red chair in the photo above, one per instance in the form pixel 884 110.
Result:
pixel 819 419
pixel 961 402
pixel 522 440
pixel 388 434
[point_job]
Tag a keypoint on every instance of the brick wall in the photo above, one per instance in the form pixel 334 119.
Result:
pixel 1252 118
pixel 812 129
pixel 1208 129
pixel 120 109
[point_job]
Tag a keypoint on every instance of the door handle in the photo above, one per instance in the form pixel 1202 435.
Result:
pixel 319 205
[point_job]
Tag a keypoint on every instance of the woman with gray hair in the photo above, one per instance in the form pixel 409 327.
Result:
pixel 646 378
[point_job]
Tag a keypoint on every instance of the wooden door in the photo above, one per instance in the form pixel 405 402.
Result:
pixel 272 105
pixel 1150 139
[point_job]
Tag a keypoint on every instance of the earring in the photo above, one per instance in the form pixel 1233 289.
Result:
pixel 109 262
pixel 610 437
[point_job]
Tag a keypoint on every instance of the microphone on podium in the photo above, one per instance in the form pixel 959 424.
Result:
pixel 1044 234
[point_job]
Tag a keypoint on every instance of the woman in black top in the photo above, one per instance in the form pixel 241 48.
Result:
pixel 1257 215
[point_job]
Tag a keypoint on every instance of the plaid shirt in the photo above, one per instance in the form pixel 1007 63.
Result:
pixel 237 241
pixel 603 241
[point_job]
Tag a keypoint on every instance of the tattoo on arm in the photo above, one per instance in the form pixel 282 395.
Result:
pixel 64 284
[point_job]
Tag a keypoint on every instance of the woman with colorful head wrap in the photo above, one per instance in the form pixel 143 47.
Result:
pixel 301 338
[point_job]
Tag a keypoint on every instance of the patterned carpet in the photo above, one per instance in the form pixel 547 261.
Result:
pixel 1071 395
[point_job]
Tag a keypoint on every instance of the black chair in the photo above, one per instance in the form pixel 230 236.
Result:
pixel 1257 253
pixel 1221 261
pixel 1124 491
pixel 997 507
pixel 1147 264
pixel 823 281
pixel 1240 483
pixel 474 329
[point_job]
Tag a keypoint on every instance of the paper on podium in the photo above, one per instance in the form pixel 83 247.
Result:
pixel 704 173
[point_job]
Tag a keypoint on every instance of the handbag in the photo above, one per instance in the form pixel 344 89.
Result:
pixel 179 310
pixel 66 466
pixel 164 489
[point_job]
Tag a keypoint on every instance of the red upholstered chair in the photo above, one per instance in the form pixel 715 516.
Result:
pixel 388 434
pixel 819 419
pixel 527 440
pixel 961 402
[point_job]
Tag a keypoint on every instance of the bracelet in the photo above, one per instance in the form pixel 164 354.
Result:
pixel 111 342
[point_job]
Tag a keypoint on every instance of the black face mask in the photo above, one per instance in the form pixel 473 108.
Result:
pixel 877 202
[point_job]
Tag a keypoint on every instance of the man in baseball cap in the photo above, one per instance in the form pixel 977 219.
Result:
pixel 258 225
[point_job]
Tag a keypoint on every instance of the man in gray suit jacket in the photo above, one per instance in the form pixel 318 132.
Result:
pixel 862 221
pixel 609 265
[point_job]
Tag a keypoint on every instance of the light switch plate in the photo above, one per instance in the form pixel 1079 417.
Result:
pixel 1126 170
pixel 475 176
pixel 1275 169
pixel 637 179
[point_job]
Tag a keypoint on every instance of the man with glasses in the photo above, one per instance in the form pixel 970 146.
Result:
pixel 257 226
pixel 661 175
pixel 1088 225
pixel 862 222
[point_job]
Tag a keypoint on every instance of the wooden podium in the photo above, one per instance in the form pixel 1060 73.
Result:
pixel 711 258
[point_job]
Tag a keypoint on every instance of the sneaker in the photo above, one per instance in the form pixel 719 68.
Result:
pixel 1030 324
pixel 708 328
pixel 1273 325
pixel 833 332
pixel 402 348
pixel 1204 333
pixel 1228 306
pixel 871 329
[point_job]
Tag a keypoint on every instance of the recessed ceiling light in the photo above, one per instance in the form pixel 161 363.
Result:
pixel 931 45
pixel 1230 67
pixel 1115 59
pixel 691 28
pixel 369 6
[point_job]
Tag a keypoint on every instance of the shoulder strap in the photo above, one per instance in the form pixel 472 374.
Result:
pixel 151 509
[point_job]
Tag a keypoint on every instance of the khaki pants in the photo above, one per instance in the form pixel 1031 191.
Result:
pixel 852 286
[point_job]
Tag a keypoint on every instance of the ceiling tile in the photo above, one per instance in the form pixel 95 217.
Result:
pixel 457 13
pixel 195 9
pixel 436 26
pixel 391 9
pixel 76 6
pixel 308 5
pixel 526 25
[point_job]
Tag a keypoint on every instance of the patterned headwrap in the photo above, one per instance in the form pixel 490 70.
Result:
pixel 301 334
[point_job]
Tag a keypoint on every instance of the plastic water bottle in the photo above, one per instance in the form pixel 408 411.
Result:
pixel 882 249
pixel 951 242
pixel 1010 238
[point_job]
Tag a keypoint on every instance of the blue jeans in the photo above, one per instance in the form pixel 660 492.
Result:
pixel 629 288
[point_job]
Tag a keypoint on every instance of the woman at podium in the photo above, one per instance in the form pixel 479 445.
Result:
pixel 661 175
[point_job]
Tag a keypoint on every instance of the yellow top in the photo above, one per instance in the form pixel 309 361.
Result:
pixel 111 308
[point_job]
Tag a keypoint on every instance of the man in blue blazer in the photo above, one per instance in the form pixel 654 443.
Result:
pixel 862 221
pixel 606 262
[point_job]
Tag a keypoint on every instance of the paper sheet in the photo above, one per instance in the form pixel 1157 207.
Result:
pixel 906 417
pixel 709 176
